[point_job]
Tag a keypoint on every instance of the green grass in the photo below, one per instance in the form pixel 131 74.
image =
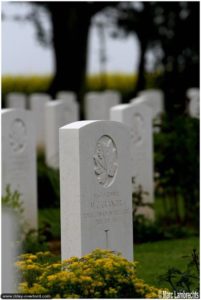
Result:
pixel 156 258
pixel 51 216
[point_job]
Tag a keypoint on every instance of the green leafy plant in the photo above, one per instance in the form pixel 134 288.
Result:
pixel 34 241
pixel 187 280
pixel 177 167
pixel 99 274
pixel 144 229
pixel 150 230
pixel 12 200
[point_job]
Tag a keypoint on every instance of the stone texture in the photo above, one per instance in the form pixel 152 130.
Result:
pixel 37 105
pixel 98 104
pixel 193 94
pixel 155 99
pixel 15 100
pixel 72 107
pixel 95 184
pixel 19 159
pixel 55 117
pixel 9 251
pixel 138 118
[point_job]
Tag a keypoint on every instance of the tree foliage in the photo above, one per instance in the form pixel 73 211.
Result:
pixel 171 30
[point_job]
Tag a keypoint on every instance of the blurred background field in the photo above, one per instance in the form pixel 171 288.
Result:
pixel 122 82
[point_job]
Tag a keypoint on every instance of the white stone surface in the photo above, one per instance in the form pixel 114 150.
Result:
pixel 193 94
pixel 19 159
pixel 72 107
pixel 98 104
pixel 9 251
pixel 95 185
pixel 154 99
pixel 55 117
pixel 138 118
pixel 15 100
pixel 37 105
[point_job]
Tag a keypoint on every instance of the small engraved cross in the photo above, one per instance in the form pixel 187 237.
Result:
pixel 107 240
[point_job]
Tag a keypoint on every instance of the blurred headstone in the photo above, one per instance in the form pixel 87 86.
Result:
pixel 19 159
pixel 72 107
pixel 193 94
pixel 15 100
pixel 155 100
pixel 138 118
pixel 9 251
pixel 37 105
pixel 96 190
pixel 98 104
pixel 57 114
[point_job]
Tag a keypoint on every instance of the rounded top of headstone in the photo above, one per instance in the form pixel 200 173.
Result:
pixel 81 124
pixel 192 92
pixel 14 110
pixel 55 102
pixel 120 107
pixel 137 99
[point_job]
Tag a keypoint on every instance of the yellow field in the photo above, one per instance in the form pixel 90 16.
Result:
pixel 36 83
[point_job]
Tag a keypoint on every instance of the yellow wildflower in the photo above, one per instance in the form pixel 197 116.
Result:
pixel 33 267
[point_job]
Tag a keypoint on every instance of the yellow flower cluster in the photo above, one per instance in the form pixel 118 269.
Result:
pixel 100 274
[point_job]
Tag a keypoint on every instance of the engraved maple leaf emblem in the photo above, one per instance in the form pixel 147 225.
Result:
pixel 105 161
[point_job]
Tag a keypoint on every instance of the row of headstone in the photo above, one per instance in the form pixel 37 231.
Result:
pixel 97 104
pixel 97 161
pixel 48 117
pixel 100 159
pixel 95 170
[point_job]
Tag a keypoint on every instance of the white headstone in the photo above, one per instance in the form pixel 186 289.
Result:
pixel 9 251
pixel 15 100
pixel 19 159
pixel 98 104
pixel 138 118
pixel 56 115
pixel 193 95
pixel 95 183
pixel 37 105
pixel 155 100
pixel 72 107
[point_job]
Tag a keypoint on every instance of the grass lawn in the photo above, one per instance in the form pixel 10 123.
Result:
pixel 157 257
